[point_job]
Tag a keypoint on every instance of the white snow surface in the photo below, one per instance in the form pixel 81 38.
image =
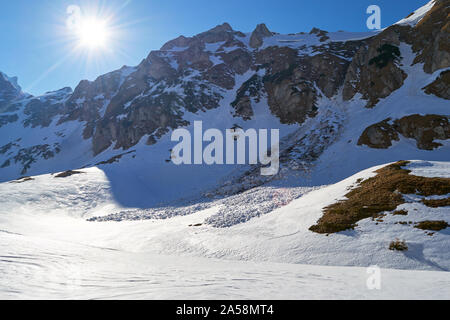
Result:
pixel 61 270
pixel 417 15
pixel 49 250
pixel 429 169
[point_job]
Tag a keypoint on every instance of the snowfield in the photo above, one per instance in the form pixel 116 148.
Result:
pixel 50 250
pixel 34 268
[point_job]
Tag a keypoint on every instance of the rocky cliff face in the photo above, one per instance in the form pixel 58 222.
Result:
pixel 257 37
pixel 372 80
pixel 9 91
pixel 428 36
pixel 292 74
pixel 424 129
pixel 194 74
pixel 441 86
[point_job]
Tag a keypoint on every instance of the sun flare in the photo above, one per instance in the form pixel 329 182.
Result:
pixel 92 33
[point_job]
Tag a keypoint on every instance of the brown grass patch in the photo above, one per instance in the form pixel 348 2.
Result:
pixel 400 213
pixel 437 203
pixel 377 195
pixel 432 225
pixel 398 245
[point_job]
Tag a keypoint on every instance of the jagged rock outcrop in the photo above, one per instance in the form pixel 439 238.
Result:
pixel 375 81
pixel 220 33
pixel 379 135
pixel 423 129
pixel 322 34
pixel 258 35
pixel 429 39
pixel 292 81
pixel 27 156
pixel 5 119
pixel 9 91
pixel 41 111
pixel 440 87
pixel 251 91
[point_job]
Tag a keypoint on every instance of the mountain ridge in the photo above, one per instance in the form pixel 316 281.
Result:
pixel 307 84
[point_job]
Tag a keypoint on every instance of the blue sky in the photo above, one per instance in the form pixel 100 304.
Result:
pixel 37 46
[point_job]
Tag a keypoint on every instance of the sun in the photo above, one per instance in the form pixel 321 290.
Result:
pixel 92 33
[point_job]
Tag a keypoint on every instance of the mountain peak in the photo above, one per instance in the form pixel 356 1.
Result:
pixel 259 34
pixel 224 27
pixel 9 89
pixel 221 32
pixel 11 80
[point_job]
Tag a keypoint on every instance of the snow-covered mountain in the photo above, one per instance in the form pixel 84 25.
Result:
pixel 92 166
pixel 318 88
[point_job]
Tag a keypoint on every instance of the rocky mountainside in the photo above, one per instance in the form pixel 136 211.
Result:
pixel 336 96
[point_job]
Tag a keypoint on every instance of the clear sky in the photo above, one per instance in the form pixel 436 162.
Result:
pixel 39 48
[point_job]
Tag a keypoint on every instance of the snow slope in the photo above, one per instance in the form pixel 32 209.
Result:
pixel 59 208
pixel 417 15
pixel 33 268
pixel 49 249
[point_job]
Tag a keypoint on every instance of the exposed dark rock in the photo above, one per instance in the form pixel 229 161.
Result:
pixel 429 39
pixel 220 33
pixel 322 34
pixel 379 136
pixel 68 174
pixel 8 147
pixel 238 60
pixel 4 120
pixel 423 129
pixel 441 86
pixel 371 74
pixel 9 91
pixel 22 180
pixel 258 35
pixel 27 156
pixel 387 53
pixel 250 90
pixel 114 159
